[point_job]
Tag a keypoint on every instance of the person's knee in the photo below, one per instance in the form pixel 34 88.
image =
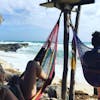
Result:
pixel 33 66
pixel 30 65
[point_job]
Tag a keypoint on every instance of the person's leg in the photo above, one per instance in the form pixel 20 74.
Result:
pixel 9 95
pixel 98 90
pixel 28 85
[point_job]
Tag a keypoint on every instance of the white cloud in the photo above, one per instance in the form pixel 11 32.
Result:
pixel 89 20
pixel 28 12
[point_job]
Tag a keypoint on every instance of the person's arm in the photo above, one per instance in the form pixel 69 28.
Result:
pixel 40 73
pixel 21 97
pixel 9 95
pixel 98 89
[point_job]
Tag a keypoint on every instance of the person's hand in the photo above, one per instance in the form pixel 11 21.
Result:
pixel 49 80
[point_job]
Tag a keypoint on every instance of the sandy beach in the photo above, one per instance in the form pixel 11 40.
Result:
pixel 83 91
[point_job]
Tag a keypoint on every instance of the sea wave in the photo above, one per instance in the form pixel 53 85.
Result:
pixel 20 58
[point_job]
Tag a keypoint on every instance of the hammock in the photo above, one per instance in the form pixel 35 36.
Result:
pixel 46 56
pixel 92 75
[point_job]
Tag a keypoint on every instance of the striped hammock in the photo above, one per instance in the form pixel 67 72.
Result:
pixel 46 56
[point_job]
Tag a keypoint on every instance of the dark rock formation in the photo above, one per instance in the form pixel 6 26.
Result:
pixel 12 47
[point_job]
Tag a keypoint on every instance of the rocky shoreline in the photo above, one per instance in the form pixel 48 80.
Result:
pixel 52 92
pixel 12 47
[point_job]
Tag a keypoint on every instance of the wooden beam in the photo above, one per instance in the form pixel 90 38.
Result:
pixel 66 49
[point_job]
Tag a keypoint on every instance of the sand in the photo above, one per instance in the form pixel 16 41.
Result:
pixel 83 90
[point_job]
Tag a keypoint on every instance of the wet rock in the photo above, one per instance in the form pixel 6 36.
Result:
pixel 12 47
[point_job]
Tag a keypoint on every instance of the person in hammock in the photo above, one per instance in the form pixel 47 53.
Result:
pixel 91 60
pixel 5 93
pixel 26 86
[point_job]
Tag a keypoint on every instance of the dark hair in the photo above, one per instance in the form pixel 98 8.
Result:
pixel 96 39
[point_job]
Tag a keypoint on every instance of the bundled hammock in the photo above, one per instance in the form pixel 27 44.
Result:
pixel 92 75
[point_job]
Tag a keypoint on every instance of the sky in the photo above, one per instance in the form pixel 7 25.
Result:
pixel 25 20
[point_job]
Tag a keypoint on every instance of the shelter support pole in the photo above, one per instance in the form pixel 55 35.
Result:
pixel 73 60
pixel 65 45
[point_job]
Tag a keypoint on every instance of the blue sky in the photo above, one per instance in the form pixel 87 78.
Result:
pixel 25 20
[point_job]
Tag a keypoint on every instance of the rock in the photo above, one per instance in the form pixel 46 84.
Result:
pixel 9 70
pixel 52 92
pixel 12 47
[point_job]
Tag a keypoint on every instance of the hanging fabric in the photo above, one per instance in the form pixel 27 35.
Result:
pixel 47 57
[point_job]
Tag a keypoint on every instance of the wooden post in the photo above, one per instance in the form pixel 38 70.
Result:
pixel 73 60
pixel 65 69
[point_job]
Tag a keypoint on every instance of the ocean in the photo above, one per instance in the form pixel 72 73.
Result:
pixel 20 58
